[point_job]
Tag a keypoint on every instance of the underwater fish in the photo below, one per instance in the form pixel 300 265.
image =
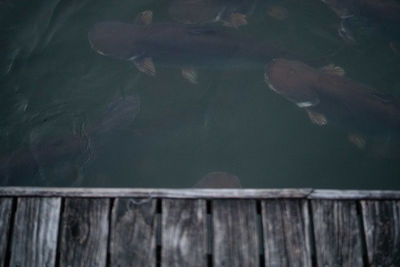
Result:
pixel 231 13
pixel 218 180
pixel 383 10
pixel 179 45
pixel 331 98
pixel 277 12
pixel 49 152
pixel 119 114
pixel 27 162
pixel 382 13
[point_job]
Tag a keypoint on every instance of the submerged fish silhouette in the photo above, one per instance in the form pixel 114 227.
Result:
pixel 384 13
pixel 232 13
pixel 379 11
pixel 119 114
pixel 331 98
pixel 26 161
pixel 21 166
pixel 179 45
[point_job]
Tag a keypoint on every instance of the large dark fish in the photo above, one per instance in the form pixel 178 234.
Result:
pixel 27 160
pixel 119 114
pixel 179 45
pixel 231 13
pixel 385 14
pixel 330 98
pixel 382 11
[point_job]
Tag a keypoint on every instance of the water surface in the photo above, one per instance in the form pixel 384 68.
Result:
pixel 57 95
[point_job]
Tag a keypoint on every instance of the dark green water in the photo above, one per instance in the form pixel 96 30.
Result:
pixel 56 89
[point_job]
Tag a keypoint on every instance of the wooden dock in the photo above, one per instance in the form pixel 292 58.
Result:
pixel 198 227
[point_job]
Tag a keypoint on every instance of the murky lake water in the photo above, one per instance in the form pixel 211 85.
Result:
pixel 72 117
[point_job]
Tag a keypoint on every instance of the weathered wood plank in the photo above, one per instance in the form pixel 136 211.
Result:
pixel 133 232
pixel 84 232
pixel 34 237
pixel 353 194
pixel 337 233
pixel 235 235
pixel 155 193
pixel 382 232
pixel 183 233
pixel 286 230
pixel 197 193
pixel 5 216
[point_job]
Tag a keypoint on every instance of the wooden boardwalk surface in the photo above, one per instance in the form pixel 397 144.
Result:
pixel 198 227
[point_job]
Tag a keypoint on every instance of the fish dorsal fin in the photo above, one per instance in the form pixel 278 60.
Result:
pixel 145 65
pixel 317 118
pixel 236 20
pixel 190 75
pixel 333 70
pixel 357 140
pixel 144 17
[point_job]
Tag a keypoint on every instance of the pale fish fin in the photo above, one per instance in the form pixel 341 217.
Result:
pixel 307 104
pixel 345 33
pixel 190 74
pixel 218 180
pixel 333 70
pixel 357 140
pixel 236 20
pixel 219 15
pixel 146 65
pixel 317 118
pixel 145 17
pixel 305 98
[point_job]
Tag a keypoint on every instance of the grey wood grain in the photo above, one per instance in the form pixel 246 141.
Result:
pixel 154 192
pixel 5 216
pixel 183 233
pixel 133 232
pixel 382 232
pixel 198 193
pixel 353 194
pixel 337 233
pixel 84 232
pixel 235 235
pixel 34 237
pixel 286 230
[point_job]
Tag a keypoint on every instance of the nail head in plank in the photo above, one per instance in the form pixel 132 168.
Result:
pixel 382 232
pixel 84 232
pixel 133 232
pixel 183 233
pixel 235 234
pixel 337 233
pixel 5 216
pixel 286 230
pixel 34 237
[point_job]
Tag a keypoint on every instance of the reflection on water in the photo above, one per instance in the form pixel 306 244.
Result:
pixel 160 93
